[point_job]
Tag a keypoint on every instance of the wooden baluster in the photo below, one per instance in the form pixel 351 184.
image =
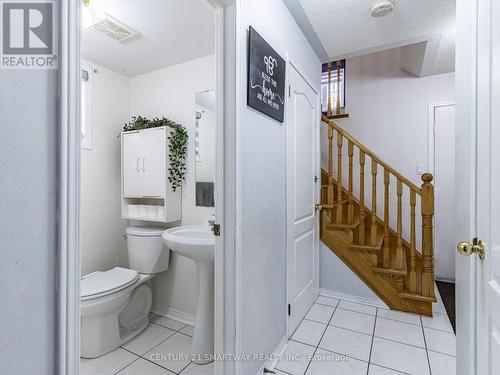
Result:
pixel 350 206
pixel 329 105
pixel 413 268
pixel 386 253
pixel 330 165
pixel 374 225
pixel 427 241
pixel 339 178
pixel 362 214
pixel 399 249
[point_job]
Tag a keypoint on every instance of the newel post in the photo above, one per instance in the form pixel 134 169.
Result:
pixel 427 240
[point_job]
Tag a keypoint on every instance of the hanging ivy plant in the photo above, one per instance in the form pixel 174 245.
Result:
pixel 178 140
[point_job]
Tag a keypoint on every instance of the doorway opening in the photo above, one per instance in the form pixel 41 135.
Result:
pixel 149 169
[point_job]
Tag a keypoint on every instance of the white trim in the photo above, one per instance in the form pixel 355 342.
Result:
pixel 299 70
pixel 289 220
pixel 68 278
pixel 431 142
pixel 240 92
pixel 275 355
pixel 466 96
pixel 168 312
pixel 377 302
pixel 219 265
pixel 68 346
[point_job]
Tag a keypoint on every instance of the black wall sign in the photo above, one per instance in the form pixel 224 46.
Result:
pixel 266 78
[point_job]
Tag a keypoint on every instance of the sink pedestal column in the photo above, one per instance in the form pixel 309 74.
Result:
pixel 202 347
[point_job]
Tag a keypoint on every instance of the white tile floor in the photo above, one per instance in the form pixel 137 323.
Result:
pixel 162 349
pixel 336 337
pixel 343 337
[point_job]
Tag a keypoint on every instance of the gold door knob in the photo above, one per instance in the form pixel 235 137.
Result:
pixel 476 247
pixel 318 207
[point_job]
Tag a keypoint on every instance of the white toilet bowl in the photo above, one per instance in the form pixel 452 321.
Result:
pixel 115 304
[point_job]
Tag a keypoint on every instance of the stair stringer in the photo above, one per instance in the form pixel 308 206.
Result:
pixel 388 286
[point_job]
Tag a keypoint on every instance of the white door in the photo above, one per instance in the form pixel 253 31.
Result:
pixel 302 129
pixel 131 154
pixel 444 184
pixel 153 149
pixel 478 188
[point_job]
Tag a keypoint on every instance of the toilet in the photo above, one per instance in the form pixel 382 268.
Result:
pixel 115 304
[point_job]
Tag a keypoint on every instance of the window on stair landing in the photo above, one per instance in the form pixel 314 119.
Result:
pixel 337 86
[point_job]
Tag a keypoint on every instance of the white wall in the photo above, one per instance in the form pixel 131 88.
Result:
pixel 337 278
pixel 260 202
pixel 102 229
pixel 28 146
pixel 170 92
pixel 388 111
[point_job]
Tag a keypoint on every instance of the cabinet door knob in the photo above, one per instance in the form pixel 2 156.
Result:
pixel 137 164
pixel 143 165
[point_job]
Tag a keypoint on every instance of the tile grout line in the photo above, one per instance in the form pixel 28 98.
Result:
pixel 321 338
pixel 426 350
pixel 130 364
pixel 169 337
pixel 298 325
pixel 373 339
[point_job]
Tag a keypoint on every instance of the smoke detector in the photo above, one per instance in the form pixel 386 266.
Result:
pixel 382 8
pixel 112 28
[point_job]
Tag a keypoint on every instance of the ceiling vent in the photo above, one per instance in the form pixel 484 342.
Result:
pixel 382 8
pixel 114 29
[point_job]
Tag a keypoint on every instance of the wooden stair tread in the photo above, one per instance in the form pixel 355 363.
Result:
pixel 367 246
pixel 352 226
pixel 393 267
pixel 391 284
pixel 417 297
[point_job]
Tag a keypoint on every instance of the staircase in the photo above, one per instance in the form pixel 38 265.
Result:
pixel 365 228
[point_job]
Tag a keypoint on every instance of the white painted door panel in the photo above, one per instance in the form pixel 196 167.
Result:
pixel 153 162
pixel 302 129
pixel 131 164
pixel 488 189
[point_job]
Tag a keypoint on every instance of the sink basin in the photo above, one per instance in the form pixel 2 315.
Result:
pixel 192 241
pixel 197 242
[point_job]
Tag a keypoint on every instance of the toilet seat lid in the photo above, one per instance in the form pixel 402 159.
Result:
pixel 97 284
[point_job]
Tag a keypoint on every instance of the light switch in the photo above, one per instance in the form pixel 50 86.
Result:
pixel 420 170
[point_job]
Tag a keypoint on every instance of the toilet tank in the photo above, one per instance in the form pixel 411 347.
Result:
pixel 147 252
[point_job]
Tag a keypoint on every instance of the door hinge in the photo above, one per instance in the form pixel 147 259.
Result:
pixel 217 230
pixel 289 309
pixel 315 178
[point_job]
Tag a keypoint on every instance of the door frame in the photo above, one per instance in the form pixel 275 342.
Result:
pixel 466 93
pixel 432 146
pixel 68 176
pixel 432 138
pixel 292 64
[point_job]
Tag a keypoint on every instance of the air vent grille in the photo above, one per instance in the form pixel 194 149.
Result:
pixel 114 29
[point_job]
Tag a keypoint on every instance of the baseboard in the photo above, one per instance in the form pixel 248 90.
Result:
pixel 174 314
pixel 274 358
pixel 452 281
pixel 348 297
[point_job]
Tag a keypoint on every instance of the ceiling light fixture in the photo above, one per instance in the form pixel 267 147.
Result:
pixel 382 8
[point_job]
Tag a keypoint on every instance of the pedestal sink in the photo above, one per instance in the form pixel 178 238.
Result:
pixel 197 242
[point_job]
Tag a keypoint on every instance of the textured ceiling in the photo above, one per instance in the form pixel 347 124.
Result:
pixel 346 27
pixel 172 31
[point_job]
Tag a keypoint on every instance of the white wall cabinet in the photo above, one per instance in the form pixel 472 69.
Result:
pixel 146 192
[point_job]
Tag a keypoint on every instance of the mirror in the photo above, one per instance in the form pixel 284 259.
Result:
pixel 205 148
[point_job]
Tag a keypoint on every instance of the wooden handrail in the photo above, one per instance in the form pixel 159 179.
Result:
pixel 392 257
pixel 372 155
